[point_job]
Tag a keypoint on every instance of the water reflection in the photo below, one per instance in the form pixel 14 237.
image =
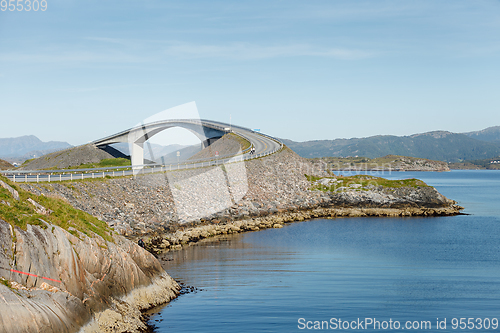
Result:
pixel 400 268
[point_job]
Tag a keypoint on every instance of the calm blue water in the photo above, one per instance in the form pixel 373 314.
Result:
pixel 404 269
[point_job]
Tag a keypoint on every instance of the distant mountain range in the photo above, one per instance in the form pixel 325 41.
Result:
pixel 490 134
pixel 28 146
pixel 437 145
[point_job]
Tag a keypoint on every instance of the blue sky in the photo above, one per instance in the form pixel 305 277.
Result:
pixel 302 70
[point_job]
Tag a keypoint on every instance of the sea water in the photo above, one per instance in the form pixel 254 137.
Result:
pixel 373 274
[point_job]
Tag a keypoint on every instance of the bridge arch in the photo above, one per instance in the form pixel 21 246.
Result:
pixel 136 136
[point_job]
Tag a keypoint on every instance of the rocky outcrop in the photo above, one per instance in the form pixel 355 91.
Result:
pixel 403 163
pixel 12 191
pixel 402 197
pixel 57 281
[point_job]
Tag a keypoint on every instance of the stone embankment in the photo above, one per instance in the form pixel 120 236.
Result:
pixel 228 145
pixel 58 280
pixel 264 192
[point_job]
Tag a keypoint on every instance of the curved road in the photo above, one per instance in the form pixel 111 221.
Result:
pixel 263 144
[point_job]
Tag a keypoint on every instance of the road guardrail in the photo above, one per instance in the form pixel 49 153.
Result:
pixel 36 176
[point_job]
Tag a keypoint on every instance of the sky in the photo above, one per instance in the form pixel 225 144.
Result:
pixel 300 70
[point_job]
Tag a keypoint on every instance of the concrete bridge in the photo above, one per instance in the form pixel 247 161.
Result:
pixel 207 131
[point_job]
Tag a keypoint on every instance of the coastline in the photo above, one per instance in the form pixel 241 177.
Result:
pixel 181 238
pixel 184 238
pixel 128 315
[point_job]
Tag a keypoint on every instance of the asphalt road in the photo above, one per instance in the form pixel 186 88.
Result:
pixel 262 143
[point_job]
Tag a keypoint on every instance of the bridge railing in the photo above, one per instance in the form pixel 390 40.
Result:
pixel 202 122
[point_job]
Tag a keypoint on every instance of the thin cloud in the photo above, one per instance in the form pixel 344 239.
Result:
pixel 116 87
pixel 106 40
pixel 72 57
pixel 155 51
pixel 253 51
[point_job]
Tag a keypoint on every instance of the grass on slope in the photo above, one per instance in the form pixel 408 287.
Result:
pixel 21 213
pixel 108 162
pixel 244 143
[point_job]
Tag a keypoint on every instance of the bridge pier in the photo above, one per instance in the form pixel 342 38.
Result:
pixel 136 156
pixel 209 141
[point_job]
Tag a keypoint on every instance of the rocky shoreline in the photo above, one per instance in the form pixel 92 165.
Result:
pixel 192 235
pixel 66 283
pixel 56 278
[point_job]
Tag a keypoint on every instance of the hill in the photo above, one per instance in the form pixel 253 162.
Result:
pixel 27 146
pixel 491 134
pixel 5 165
pixel 437 145
pixel 72 157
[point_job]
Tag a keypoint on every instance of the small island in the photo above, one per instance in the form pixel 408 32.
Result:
pixel 386 163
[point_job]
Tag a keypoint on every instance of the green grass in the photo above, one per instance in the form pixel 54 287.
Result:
pixel 21 213
pixel 27 161
pixel 244 143
pixel 108 162
pixel 5 282
pixel 365 181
